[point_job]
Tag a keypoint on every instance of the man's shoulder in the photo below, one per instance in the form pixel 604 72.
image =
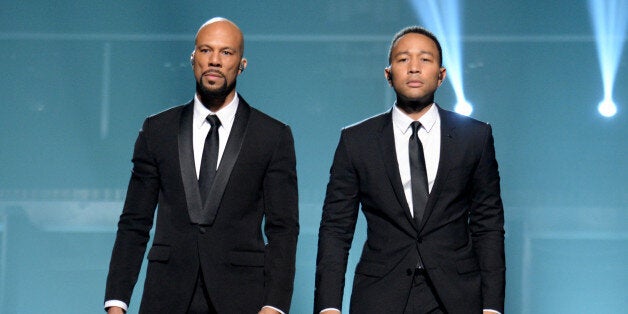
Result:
pixel 171 112
pixel 458 120
pixel 373 123
pixel 261 120
pixel 262 117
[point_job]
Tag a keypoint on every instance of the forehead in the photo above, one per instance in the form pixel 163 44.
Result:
pixel 413 42
pixel 220 33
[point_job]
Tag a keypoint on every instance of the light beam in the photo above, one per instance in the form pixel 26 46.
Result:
pixel 443 19
pixel 609 22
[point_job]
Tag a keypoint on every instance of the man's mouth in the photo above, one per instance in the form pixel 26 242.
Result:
pixel 414 83
pixel 213 74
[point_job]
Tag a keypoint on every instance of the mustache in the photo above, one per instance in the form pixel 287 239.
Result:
pixel 214 71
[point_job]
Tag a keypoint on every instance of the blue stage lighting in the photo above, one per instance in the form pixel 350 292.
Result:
pixel 443 19
pixel 609 22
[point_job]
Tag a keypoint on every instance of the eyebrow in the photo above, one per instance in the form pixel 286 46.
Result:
pixel 220 48
pixel 420 52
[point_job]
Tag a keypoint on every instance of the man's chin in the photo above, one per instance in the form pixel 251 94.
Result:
pixel 213 91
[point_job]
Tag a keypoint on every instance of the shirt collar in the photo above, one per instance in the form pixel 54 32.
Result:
pixel 226 114
pixel 403 121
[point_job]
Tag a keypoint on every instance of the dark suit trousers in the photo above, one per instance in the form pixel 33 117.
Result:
pixel 200 303
pixel 422 299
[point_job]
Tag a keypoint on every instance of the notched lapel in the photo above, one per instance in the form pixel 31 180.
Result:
pixel 447 149
pixel 389 155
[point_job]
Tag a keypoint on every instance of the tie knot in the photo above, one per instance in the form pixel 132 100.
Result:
pixel 213 120
pixel 416 125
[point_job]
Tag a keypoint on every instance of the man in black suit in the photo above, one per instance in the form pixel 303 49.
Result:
pixel 435 237
pixel 219 170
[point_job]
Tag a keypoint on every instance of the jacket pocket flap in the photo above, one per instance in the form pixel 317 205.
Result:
pixel 159 253
pixel 247 258
pixel 371 269
pixel 467 265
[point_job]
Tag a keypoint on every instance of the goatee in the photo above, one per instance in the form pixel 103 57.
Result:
pixel 214 97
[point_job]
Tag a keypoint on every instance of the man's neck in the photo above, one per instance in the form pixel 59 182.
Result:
pixel 216 103
pixel 414 109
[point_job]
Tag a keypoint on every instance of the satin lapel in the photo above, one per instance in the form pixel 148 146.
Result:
pixel 229 157
pixel 186 163
pixel 389 155
pixel 447 148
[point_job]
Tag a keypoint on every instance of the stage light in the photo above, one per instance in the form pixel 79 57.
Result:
pixel 609 23
pixel 607 108
pixel 463 107
pixel 443 19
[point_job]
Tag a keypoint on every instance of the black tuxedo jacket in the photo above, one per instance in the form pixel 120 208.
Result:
pixel 255 184
pixel 460 239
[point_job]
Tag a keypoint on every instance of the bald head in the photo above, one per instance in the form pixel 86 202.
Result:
pixel 223 26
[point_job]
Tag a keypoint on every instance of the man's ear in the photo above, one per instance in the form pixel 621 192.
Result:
pixel 242 65
pixel 388 74
pixel 441 75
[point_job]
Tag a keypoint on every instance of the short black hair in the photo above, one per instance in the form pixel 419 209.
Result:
pixel 416 30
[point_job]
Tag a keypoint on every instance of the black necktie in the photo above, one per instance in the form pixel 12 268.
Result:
pixel 418 173
pixel 210 158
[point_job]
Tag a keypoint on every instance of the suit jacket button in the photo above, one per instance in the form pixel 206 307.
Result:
pixel 202 230
pixel 419 239
pixel 409 272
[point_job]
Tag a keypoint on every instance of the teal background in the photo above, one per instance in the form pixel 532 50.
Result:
pixel 78 77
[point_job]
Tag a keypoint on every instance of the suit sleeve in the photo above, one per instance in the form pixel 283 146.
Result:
pixel 281 223
pixel 487 226
pixel 135 222
pixel 340 213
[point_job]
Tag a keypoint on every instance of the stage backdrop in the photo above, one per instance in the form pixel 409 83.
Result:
pixel 78 77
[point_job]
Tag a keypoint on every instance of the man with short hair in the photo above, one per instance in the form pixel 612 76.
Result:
pixel 428 184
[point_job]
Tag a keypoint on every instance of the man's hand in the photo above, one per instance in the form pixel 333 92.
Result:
pixel 115 310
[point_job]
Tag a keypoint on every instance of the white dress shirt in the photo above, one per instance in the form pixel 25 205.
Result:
pixel 200 128
pixel 429 134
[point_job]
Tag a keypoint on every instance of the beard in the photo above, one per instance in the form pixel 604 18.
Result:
pixel 214 95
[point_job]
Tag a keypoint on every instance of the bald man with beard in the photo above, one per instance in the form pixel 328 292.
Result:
pixel 223 175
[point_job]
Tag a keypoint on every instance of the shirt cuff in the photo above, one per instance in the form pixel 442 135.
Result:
pixel 118 303
pixel 489 310
pixel 274 308
pixel 330 308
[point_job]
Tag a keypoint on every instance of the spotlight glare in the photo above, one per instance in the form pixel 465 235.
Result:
pixel 463 107
pixel 443 18
pixel 610 19
pixel 607 108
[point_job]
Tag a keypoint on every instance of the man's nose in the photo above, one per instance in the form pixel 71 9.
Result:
pixel 414 67
pixel 215 60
